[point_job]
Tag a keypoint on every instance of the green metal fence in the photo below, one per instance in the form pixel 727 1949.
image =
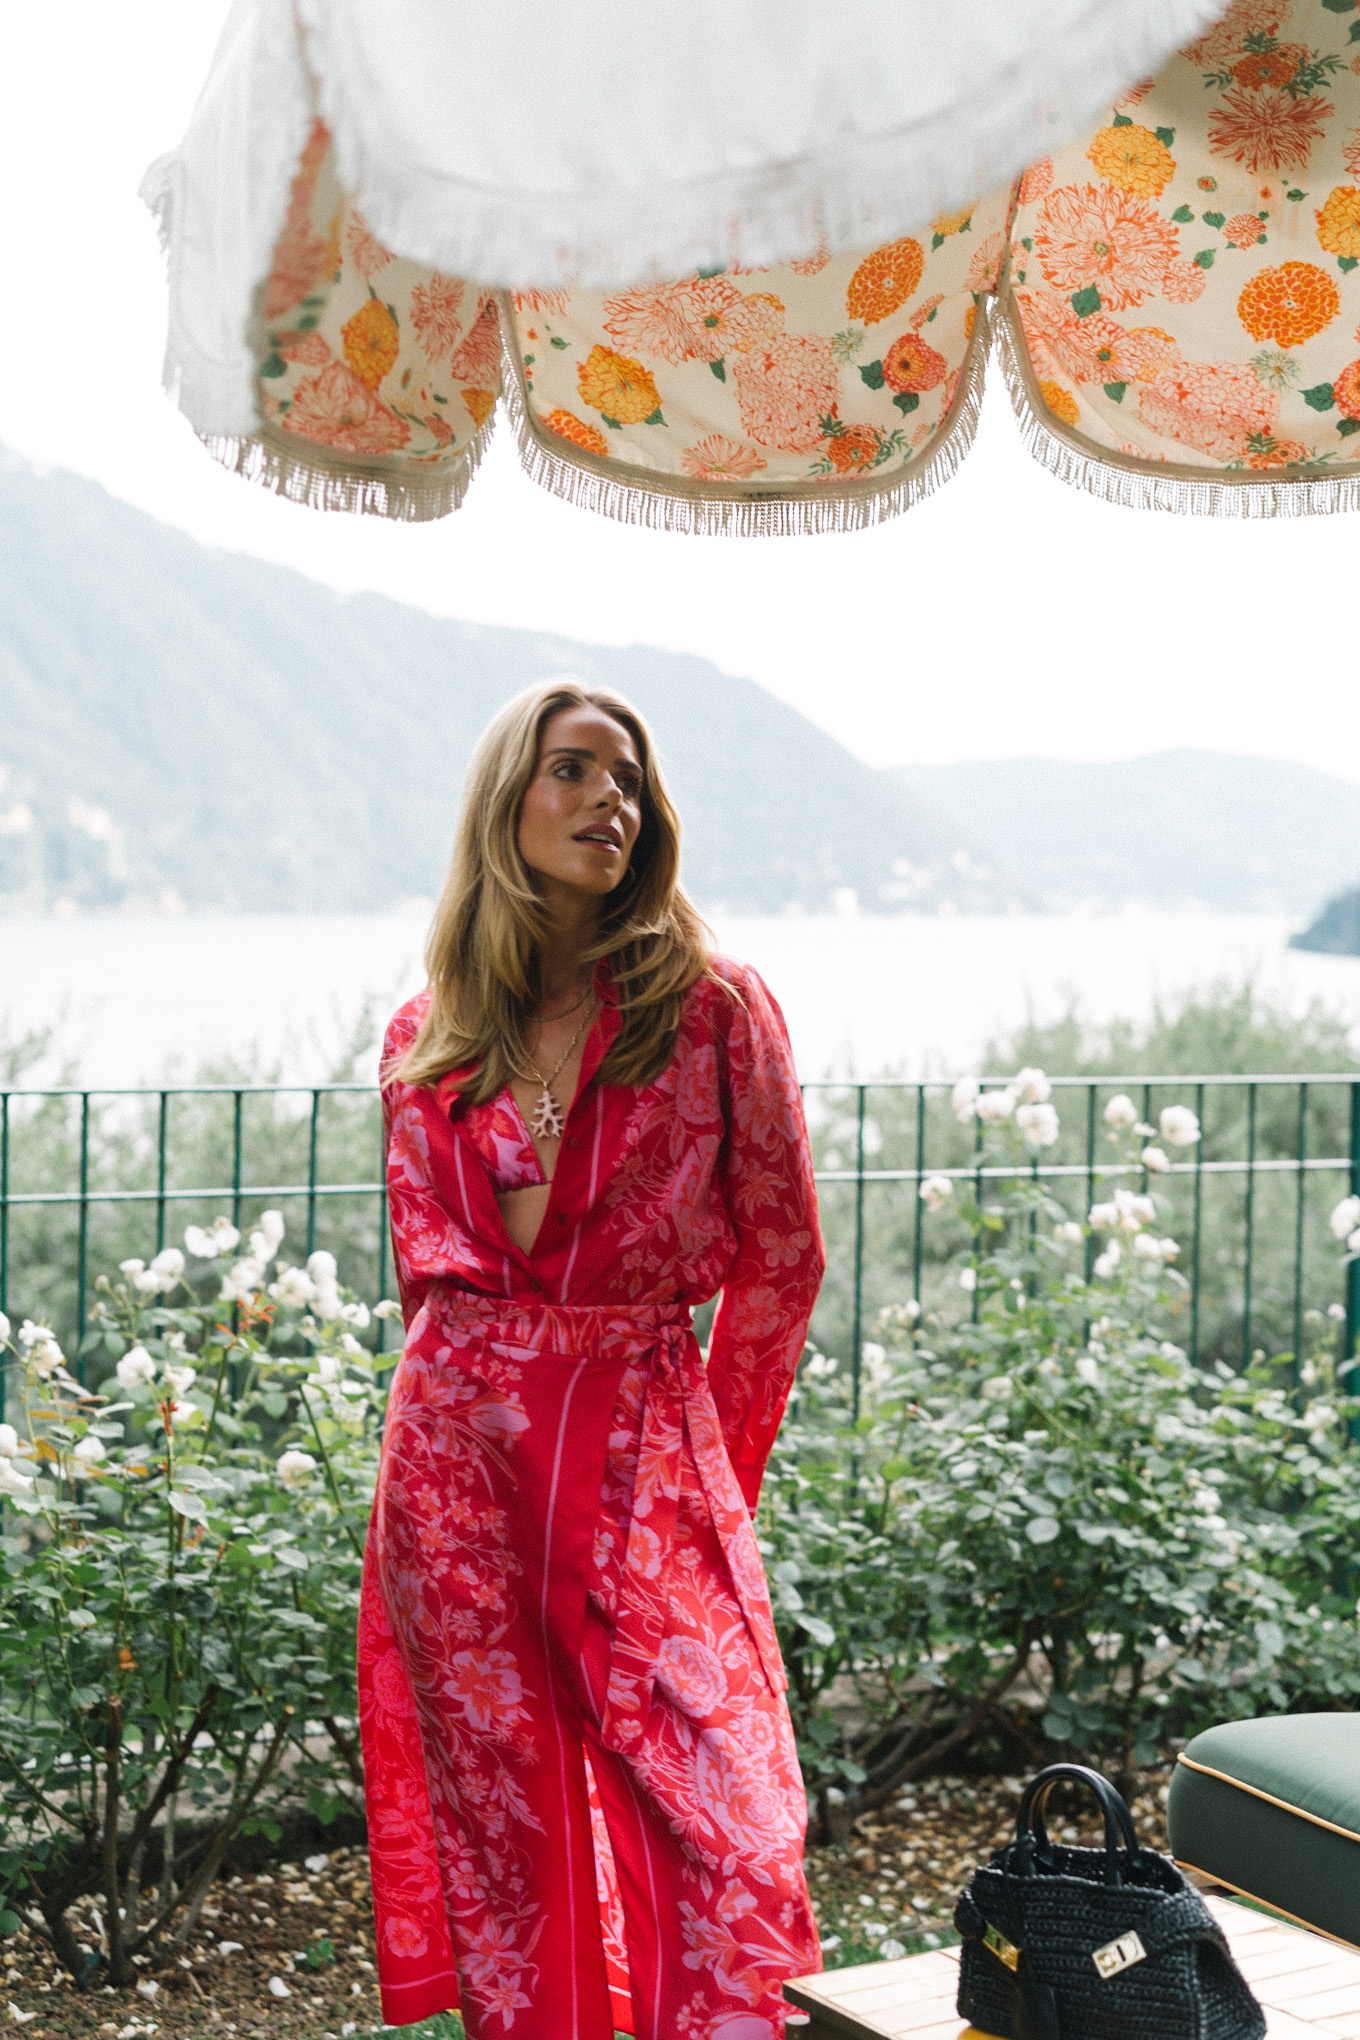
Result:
pixel 88 1178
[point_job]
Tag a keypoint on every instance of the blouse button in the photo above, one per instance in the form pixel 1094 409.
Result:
pixel 561 1217
pixel 536 1285
pixel 573 1140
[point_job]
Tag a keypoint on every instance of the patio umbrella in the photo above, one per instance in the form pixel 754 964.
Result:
pixel 1172 295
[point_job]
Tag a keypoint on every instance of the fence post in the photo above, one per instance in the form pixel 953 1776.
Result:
pixel 859 1251
pixel 1353 1269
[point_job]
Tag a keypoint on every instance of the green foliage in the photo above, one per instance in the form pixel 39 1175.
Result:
pixel 1048 1527
pixel 182 1549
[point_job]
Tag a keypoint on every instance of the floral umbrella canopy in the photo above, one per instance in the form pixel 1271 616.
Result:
pixel 1173 295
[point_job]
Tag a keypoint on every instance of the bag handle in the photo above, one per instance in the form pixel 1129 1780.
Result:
pixel 1031 1835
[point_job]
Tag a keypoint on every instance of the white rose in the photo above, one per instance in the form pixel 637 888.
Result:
pixel 1109 1260
pixel 1353 1243
pixel 136 1365
pixel 1032 1087
pixel 963 1100
pixel 12 1482
pixel 321 1267
pixel 1121 1112
pixel 1343 1221
pixel 293 1289
pixel 295 1466
pixel 997 1388
pixel 169 1265
pixel 9 1441
pixel 200 1244
pixel 387 1308
pixel 328 1369
pixel 936 1191
pixel 179 1380
pixel 1103 1216
pixel 911 1309
pixel 357 1314
pixel 1155 1159
pixel 994 1106
pixel 968 1279
pixel 1088 1370
pixel 1069 1233
pixel 1039 1124
pixel 1143 1209
pixel 4 1329
pixel 148 1283
pixel 1337 1311
pixel 272 1226
pixel 90 1450
pixel 1179 1125
pixel 184 1412
pixel 1147 1249
pixel 241 1282
pixel 326 1303
pixel 131 1268
pixel 1170 1249
pixel 40 1349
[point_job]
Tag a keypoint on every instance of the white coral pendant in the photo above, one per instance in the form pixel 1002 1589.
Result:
pixel 548 1120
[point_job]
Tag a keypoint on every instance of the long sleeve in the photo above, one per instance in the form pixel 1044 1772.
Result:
pixel 772 1283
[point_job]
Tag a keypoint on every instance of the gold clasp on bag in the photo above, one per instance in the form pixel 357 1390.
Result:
pixel 1006 1951
pixel 1120 1954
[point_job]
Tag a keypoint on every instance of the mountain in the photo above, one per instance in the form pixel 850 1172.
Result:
pixel 1336 931
pixel 1175 829
pixel 184 726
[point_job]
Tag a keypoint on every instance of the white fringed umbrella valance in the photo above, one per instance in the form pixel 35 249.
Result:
pixel 1174 296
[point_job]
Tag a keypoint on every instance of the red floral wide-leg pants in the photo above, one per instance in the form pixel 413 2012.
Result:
pixel 585 1809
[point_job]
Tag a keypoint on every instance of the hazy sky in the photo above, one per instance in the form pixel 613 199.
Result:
pixel 1007 616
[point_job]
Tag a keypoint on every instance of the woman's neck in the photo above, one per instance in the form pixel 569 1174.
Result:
pixel 571 931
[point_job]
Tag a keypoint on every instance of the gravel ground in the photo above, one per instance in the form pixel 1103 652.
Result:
pixel 289 1955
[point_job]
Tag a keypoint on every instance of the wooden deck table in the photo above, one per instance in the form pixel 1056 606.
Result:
pixel 1307 1984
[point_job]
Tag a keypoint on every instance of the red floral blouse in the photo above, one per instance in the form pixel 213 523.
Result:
pixel 663 1194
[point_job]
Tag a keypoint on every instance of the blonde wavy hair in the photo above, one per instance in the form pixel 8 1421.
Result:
pixel 489 926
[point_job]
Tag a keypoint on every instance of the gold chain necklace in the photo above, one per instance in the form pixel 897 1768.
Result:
pixel 549 1120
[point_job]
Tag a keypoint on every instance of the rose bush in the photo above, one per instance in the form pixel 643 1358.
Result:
pixel 182 1547
pixel 1048 1528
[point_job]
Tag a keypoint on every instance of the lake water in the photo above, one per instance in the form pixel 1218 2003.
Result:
pixel 135 999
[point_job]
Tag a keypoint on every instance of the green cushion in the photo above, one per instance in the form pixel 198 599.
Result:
pixel 1272 1808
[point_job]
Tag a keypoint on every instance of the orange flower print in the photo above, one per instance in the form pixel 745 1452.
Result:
pixel 720 459
pixel 1183 283
pixel 337 409
pixel 1142 354
pixel 1094 236
pixel 439 429
pixel 1133 158
pixel 855 449
pixel 309 348
pixel 1214 406
pixel 366 251
pixel 404 1937
pixel 436 315
pixel 1061 344
pixel 300 256
pixel 1243 230
pixel 1261 69
pixel 479 404
pixel 663 320
pixel 1289 304
pixel 1037 181
pixel 1346 390
pixel 1228 36
pixel 952 223
pixel 785 388
pixel 478 360
pixel 1350 155
pixel 927 305
pixel 618 387
pixel 568 426
pixel 552 301
pixel 985 267
pixel 885 280
pixel 1267 130
pixel 812 265
pixel 371 341
pixel 910 365
pixel 1279 453
pixel 1060 402
pixel 1338 222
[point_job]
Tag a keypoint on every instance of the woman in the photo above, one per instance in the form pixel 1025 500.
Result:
pixel 580 1770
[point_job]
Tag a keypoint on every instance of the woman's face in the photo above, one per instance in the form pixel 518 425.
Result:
pixel 582 811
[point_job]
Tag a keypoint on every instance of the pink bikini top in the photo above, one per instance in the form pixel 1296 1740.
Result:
pixel 501 1139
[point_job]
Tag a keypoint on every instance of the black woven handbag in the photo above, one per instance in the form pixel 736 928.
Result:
pixel 1094 1944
